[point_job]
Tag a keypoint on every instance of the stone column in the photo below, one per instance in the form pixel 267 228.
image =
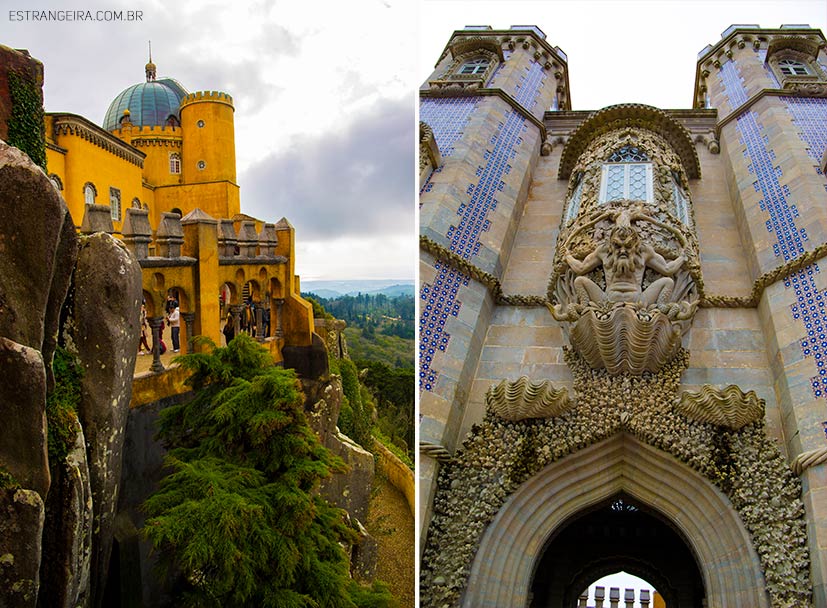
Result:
pixel 259 324
pixel 599 596
pixel 237 310
pixel 644 598
pixel 189 321
pixel 279 305
pixel 155 326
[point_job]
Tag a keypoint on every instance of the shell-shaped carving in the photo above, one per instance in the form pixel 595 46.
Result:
pixel 625 338
pixel 729 407
pixel 524 399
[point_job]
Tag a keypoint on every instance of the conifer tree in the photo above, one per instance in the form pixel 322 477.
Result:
pixel 237 518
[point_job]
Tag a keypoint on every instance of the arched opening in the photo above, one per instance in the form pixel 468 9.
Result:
pixel 618 534
pixel 514 544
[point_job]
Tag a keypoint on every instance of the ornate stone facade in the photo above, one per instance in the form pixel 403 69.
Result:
pixel 624 307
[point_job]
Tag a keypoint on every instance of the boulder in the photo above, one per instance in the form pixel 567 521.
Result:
pixel 23 449
pixel 36 251
pixel 104 329
pixel 67 537
pixel 21 528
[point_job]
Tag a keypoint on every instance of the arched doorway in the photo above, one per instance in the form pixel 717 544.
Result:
pixel 516 542
pixel 619 534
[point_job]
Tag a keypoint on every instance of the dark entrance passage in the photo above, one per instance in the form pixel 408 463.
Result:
pixel 618 534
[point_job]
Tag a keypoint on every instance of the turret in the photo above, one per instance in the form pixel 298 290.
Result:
pixel 209 137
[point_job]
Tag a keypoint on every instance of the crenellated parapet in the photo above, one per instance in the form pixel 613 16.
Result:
pixel 203 96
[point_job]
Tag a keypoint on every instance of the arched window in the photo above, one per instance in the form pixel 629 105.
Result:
pixel 175 163
pixel 790 67
pixel 136 203
pixel 627 175
pixel 89 193
pixel 474 66
pixel 55 179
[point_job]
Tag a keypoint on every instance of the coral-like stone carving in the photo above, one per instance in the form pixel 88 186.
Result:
pixel 524 399
pixel 729 407
pixel 498 456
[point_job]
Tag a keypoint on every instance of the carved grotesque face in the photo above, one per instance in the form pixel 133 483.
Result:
pixel 624 242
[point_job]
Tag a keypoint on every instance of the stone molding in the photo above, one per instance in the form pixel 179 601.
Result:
pixel 435 451
pixel 630 116
pixel 72 124
pixel 809 459
pixel 817 91
pixel 459 91
pixel 428 149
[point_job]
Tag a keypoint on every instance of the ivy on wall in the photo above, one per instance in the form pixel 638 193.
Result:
pixel 26 129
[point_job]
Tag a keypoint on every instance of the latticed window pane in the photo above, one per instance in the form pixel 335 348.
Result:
pixel 475 66
pixel 628 154
pixel 614 183
pixel 637 181
pixel 681 204
pixel 115 204
pixel 574 202
pixel 792 68
pixel 89 194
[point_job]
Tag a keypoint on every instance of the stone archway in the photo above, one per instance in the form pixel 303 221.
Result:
pixel 504 564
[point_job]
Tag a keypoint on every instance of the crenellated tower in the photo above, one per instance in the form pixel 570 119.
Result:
pixel 483 107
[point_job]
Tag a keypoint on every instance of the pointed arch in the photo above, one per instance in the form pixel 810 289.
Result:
pixel 502 569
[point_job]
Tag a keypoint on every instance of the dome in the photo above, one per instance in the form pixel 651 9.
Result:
pixel 149 104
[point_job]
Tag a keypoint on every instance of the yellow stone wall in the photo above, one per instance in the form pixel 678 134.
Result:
pixel 217 199
pixel 85 161
pixel 158 143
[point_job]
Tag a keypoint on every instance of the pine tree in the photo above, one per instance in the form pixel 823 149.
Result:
pixel 237 518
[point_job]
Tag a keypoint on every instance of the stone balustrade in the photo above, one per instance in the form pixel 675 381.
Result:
pixel 168 239
pixel 614 598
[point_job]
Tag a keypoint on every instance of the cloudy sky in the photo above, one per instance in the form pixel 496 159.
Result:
pixel 324 105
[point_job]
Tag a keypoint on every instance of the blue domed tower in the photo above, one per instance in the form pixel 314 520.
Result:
pixel 154 103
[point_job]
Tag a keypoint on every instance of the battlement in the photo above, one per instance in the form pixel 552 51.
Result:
pixel 160 131
pixel 614 598
pixel 204 96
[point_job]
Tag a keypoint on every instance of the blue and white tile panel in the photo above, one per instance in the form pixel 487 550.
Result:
pixel 782 215
pixel 439 299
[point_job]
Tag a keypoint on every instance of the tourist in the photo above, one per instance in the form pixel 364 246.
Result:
pixel 174 320
pixel 144 328
pixel 229 328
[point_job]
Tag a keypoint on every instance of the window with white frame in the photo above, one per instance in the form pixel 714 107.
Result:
pixel 574 202
pixel 626 175
pixel 681 201
pixel 790 67
pixel 473 67
pixel 115 204
pixel 89 193
pixel 175 163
